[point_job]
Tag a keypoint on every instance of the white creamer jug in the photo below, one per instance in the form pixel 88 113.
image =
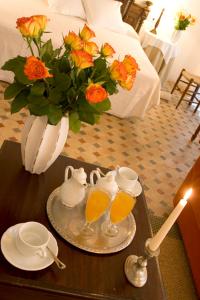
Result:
pixel 106 183
pixel 73 189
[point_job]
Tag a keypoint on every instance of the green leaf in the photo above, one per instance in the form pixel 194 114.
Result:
pixel 19 74
pixel 62 81
pixel 100 64
pixel 64 65
pixel 102 106
pixel 38 105
pixel 82 76
pixel 84 106
pixel 38 110
pixel 111 87
pixel 12 64
pixel 71 94
pixel 13 90
pixel 20 101
pixel 54 114
pixel 55 95
pixel 37 100
pixel 87 117
pixel 47 48
pixel 74 122
pixel 38 88
pixel 16 65
pixel 57 52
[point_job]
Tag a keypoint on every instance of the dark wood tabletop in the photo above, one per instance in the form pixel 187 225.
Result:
pixel 23 198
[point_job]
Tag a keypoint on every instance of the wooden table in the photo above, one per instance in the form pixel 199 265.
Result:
pixel 23 197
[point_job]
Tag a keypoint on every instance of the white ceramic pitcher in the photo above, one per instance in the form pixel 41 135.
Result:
pixel 73 189
pixel 106 183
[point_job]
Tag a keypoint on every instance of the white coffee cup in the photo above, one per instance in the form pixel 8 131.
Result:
pixel 126 178
pixel 32 238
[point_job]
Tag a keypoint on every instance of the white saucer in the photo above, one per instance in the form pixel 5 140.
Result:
pixel 13 256
pixel 137 189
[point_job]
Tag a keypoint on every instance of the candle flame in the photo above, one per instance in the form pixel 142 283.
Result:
pixel 187 194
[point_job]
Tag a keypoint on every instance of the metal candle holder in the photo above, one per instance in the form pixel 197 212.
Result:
pixel 135 267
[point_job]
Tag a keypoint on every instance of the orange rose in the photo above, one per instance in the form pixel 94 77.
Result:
pixel 35 69
pixel 192 20
pixel 95 93
pixel 182 18
pixel 130 64
pixel 107 50
pixel 86 33
pixel 118 71
pixel 73 40
pixel 81 59
pixel 31 26
pixel 128 84
pixel 91 48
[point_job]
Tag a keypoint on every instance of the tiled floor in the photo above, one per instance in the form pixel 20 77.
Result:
pixel 157 147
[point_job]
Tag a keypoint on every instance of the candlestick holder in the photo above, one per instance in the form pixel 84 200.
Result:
pixel 135 267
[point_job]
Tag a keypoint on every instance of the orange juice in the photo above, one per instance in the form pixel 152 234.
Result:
pixel 97 203
pixel 121 206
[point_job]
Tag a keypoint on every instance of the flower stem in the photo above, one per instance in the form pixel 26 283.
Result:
pixel 47 86
pixel 30 47
pixel 37 46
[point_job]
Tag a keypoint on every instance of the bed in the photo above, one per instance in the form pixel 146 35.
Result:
pixel 146 91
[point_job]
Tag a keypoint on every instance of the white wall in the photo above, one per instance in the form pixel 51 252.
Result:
pixel 189 43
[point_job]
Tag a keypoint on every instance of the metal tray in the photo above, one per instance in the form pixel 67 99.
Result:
pixel 69 221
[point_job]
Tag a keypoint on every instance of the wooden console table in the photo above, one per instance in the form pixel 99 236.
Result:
pixel 23 197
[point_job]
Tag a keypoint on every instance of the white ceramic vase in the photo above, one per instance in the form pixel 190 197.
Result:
pixel 42 143
pixel 176 35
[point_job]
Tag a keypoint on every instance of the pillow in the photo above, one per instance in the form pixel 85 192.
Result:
pixel 104 13
pixel 68 7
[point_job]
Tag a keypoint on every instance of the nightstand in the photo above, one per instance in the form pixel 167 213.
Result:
pixel 160 51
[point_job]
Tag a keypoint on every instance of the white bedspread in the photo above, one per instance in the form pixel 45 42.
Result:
pixel 146 90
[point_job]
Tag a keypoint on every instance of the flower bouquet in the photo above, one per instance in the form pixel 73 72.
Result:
pixel 73 82
pixel 74 79
pixel 183 20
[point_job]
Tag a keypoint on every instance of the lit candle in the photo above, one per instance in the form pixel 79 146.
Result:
pixel 155 241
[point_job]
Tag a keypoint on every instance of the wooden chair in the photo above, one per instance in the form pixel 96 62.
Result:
pixel 192 88
pixel 195 133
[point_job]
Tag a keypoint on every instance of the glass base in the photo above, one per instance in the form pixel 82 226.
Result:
pixel 110 229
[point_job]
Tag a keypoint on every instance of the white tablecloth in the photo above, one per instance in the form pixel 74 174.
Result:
pixel 168 49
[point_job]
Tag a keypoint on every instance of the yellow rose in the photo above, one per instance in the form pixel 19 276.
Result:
pixel 130 64
pixel 91 48
pixel 118 71
pixel 81 59
pixel 42 21
pixel 74 41
pixel 128 83
pixel 107 50
pixel 86 33
pixel 32 26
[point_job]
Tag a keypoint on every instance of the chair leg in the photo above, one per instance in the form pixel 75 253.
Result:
pixel 194 95
pixel 184 93
pixel 196 107
pixel 177 81
pixel 195 134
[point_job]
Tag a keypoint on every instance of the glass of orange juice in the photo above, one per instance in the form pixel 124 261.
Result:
pixel 120 208
pixel 97 203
